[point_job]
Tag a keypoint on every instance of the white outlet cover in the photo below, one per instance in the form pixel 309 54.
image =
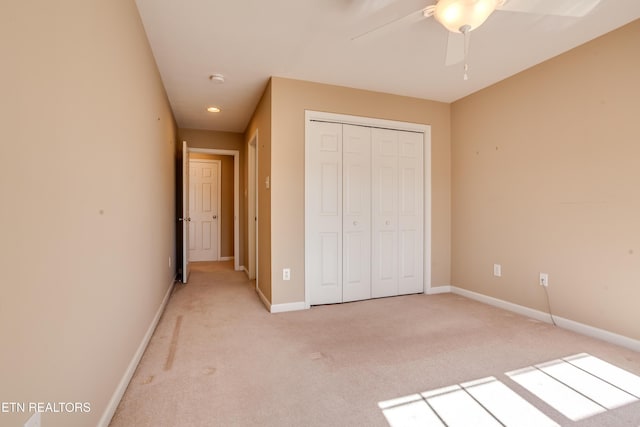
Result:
pixel 34 421
pixel 544 279
pixel 497 270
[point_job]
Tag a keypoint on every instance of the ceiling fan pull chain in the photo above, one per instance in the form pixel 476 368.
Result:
pixel 465 30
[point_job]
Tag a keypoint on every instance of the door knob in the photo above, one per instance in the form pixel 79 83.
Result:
pixel 355 223
pixel 215 217
pixel 387 222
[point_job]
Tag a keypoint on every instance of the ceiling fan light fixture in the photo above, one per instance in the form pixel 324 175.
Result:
pixel 455 15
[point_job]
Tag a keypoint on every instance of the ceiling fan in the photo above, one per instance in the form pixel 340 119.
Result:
pixel 461 17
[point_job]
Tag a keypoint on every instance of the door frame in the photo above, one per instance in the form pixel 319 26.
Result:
pixel 184 218
pixel 252 208
pixel 236 197
pixel 311 115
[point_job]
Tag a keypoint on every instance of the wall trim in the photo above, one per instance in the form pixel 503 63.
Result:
pixel 438 290
pixel 110 410
pixel 291 306
pixel 505 305
pixel 280 308
pixel 226 258
pixel 601 334
pixel 264 299
pixel 561 322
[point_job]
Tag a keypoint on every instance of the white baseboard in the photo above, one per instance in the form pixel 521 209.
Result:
pixel 505 305
pixel 246 270
pixel 292 306
pixel 561 322
pixel 438 290
pixel 126 378
pixel 602 334
pixel 264 300
pixel 226 258
pixel 280 308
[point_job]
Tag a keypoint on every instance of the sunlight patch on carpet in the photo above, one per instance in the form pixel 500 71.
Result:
pixel 578 387
pixel 485 402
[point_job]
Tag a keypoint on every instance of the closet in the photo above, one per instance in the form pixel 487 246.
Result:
pixel 364 212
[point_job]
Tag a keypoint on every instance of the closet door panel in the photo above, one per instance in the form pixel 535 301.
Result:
pixel 325 216
pixel 356 219
pixel 410 213
pixel 385 212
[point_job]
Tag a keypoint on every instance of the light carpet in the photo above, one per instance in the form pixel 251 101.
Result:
pixel 218 358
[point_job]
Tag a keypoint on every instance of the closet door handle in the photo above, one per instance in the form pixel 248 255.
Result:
pixel 387 222
pixel 355 223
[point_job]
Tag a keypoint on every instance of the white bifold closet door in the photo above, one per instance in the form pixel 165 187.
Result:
pixel 340 205
pixel 397 213
pixel 356 213
pixel 363 209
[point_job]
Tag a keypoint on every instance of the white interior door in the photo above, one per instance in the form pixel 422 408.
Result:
pixel 185 212
pixel 324 263
pixel 356 218
pixel 385 212
pixel 204 202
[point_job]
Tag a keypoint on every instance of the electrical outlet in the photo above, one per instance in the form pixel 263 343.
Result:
pixel 34 421
pixel 544 279
pixel 497 270
pixel 286 274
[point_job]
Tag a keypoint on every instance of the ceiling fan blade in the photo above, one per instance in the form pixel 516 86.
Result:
pixel 392 17
pixel 390 26
pixel 574 8
pixel 455 49
pixel 369 6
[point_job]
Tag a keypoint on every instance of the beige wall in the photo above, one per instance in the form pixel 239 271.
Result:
pixel 224 141
pixel 545 179
pixel 261 123
pixel 226 200
pixel 290 99
pixel 197 138
pixel 87 168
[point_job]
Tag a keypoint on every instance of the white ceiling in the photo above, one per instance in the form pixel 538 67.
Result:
pixel 250 40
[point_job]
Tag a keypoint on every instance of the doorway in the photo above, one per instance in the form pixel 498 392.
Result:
pixel 235 154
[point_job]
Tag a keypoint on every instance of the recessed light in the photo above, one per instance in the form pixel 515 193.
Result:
pixel 217 78
pixel 213 110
